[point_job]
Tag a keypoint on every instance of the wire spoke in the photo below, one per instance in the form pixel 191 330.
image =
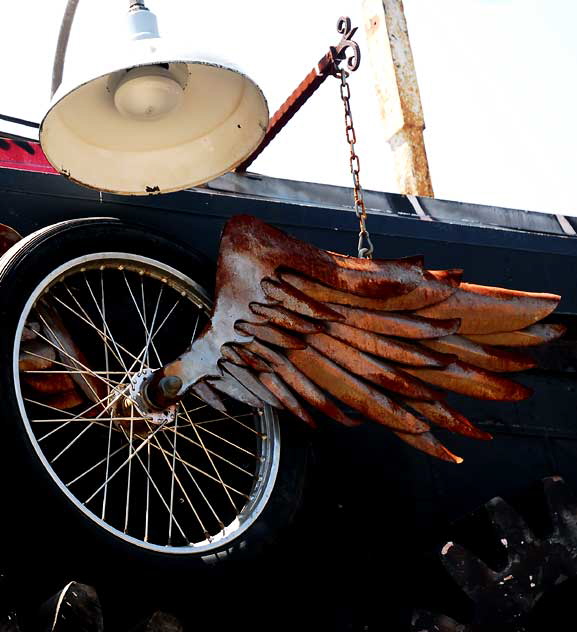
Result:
pixel 234 445
pixel 197 469
pixel 130 457
pixel 91 469
pixel 92 423
pixel 80 434
pixel 103 334
pixel 70 357
pixel 216 471
pixel 212 452
pixel 174 478
pixel 149 341
pixel 129 477
pixel 198 488
pixel 74 359
pixel 76 417
pixel 71 371
pixel 147 510
pixel 107 332
pixel 209 457
pixel 135 453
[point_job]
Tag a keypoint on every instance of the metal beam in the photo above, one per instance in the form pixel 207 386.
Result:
pixel 397 89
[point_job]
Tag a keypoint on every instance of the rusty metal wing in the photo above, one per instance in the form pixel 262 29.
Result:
pixel 302 329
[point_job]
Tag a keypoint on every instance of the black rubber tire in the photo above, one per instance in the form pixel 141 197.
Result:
pixel 44 526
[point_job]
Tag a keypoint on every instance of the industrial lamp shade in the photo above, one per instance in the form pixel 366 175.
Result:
pixel 154 121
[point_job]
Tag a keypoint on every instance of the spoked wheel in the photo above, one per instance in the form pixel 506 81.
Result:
pixel 97 307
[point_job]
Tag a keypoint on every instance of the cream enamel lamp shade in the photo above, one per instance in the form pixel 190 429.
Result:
pixel 154 122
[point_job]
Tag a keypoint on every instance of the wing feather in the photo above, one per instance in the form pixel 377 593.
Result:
pixel 285 318
pixel 271 334
pixel 210 396
pixel 428 443
pixel 483 356
pixel 65 400
pixel 251 360
pixel 529 337
pixel 229 353
pixel 233 388
pixel 388 348
pixel 465 379
pixel 446 417
pixel 251 383
pixel 297 301
pixel 488 310
pixel 279 389
pixel 392 324
pixel 354 392
pixel 370 368
pixel 301 384
pixel 436 286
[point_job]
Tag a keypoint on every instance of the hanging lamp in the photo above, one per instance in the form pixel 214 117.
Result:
pixel 154 120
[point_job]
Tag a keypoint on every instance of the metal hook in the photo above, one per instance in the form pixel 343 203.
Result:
pixel 345 28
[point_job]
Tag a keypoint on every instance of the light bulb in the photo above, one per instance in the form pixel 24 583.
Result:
pixel 147 93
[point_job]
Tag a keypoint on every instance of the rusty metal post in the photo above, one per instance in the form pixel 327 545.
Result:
pixel 397 89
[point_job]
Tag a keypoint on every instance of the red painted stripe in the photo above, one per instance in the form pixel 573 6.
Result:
pixel 24 156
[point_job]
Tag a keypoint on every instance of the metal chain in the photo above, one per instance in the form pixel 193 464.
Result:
pixel 365 246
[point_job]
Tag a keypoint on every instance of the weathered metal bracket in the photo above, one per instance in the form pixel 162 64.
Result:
pixel 326 66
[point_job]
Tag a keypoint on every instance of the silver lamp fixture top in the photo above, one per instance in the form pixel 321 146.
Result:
pixel 154 120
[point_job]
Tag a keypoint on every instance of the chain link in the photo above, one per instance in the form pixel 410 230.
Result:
pixel 365 246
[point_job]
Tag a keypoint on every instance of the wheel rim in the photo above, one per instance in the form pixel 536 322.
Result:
pixel 188 483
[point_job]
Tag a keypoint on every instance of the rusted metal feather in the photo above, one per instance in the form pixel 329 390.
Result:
pixel 446 417
pixel 279 389
pixel 36 355
pixel 428 443
pixel 285 318
pixel 529 337
pixel 483 356
pixel 210 396
pixel 437 285
pixel 230 354
pixel 370 368
pixel 251 360
pixel 297 301
pixel 251 382
pixel 29 331
pixel 301 384
pixel 69 351
pixel 388 348
pixel 49 383
pixel 233 388
pixel 392 324
pixel 469 380
pixel 487 310
pixel 65 401
pixel 271 334
pixel 357 394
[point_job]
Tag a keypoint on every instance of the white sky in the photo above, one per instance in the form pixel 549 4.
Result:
pixel 497 80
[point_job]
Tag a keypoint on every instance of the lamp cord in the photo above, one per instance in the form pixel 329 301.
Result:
pixel 62 44
pixel 64 36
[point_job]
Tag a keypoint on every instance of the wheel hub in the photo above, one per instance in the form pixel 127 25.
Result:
pixel 133 413
pixel 136 396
